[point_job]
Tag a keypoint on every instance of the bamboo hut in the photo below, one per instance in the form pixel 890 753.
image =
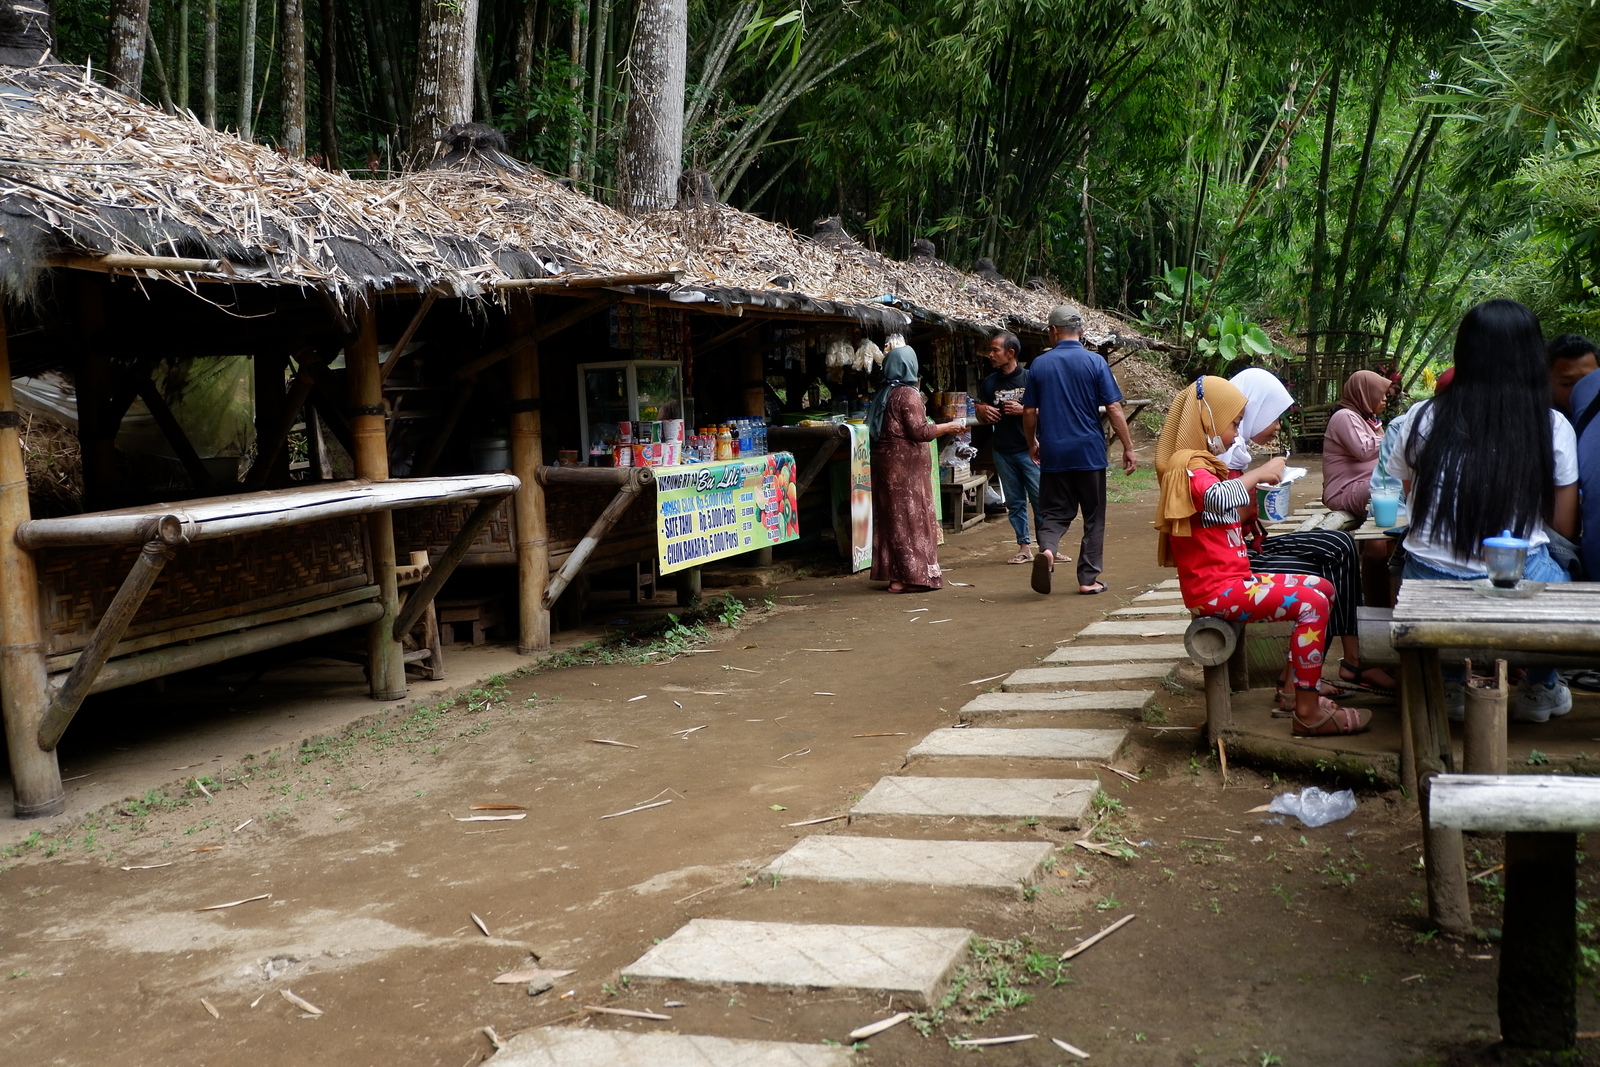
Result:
pixel 384 324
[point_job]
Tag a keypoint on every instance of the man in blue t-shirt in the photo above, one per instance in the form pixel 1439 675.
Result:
pixel 1067 386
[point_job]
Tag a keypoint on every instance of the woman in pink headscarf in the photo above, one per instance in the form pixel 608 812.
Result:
pixel 1350 445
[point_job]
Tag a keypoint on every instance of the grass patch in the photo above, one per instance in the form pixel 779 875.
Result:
pixel 991 982
pixel 1121 488
pixel 655 640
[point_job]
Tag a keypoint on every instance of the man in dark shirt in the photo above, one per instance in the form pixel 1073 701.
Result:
pixel 1000 406
pixel 1572 357
pixel 1061 404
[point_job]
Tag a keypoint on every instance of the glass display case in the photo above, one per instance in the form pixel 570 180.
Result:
pixel 626 391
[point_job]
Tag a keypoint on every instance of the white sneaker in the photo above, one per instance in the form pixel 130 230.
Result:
pixel 1536 702
pixel 1455 700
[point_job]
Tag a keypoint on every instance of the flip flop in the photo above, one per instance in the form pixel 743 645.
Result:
pixel 1022 557
pixel 1335 721
pixel 1589 681
pixel 1041 573
pixel 1094 590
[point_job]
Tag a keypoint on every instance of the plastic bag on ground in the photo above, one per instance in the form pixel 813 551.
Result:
pixel 1313 806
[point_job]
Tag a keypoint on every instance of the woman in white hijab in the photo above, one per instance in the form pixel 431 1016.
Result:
pixel 1330 554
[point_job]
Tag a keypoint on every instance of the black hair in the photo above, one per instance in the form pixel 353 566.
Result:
pixel 1571 346
pixel 1487 461
pixel 1009 339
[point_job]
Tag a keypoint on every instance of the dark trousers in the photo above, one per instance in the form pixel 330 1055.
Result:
pixel 1062 494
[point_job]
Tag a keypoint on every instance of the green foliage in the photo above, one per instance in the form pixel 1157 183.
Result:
pixel 991 982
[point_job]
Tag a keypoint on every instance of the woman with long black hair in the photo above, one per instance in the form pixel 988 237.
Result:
pixel 1491 455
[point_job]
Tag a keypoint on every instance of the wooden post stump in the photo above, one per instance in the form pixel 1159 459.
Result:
pixel 1484 728
pixel 1422 690
pixel 1539 942
pixel 527 456
pixel 1211 642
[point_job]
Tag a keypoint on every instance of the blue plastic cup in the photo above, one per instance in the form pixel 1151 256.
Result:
pixel 1386 507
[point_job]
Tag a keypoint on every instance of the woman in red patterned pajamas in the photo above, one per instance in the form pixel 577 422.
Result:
pixel 1200 534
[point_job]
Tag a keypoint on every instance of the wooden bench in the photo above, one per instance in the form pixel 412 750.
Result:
pixel 1542 816
pixel 963 502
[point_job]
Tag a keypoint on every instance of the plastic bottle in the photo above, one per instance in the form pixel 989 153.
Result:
pixel 724 443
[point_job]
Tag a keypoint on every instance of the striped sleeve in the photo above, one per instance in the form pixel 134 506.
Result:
pixel 1221 500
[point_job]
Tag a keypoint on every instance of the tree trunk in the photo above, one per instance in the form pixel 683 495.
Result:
pixel 600 35
pixel 1088 237
pixel 292 15
pixel 181 57
pixel 446 59
pixel 247 67
pixel 575 88
pixel 328 71
pixel 522 62
pixel 1319 243
pixel 130 23
pixel 208 69
pixel 652 146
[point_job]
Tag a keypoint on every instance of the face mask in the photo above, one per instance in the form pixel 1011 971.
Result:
pixel 1237 457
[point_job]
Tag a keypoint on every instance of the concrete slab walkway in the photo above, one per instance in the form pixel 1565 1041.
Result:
pixel 1022 744
pixel 976 864
pixel 559 1047
pixel 1063 801
pixel 1050 678
pixel 1109 700
pixel 912 962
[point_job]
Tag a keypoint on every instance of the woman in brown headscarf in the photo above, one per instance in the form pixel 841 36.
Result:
pixel 1198 528
pixel 1350 445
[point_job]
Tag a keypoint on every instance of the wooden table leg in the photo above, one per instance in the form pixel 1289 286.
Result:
pixel 1539 942
pixel 1443 855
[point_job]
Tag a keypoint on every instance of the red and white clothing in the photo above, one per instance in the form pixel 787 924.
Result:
pixel 1215 577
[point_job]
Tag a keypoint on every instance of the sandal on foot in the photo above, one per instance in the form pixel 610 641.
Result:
pixel 1022 557
pixel 1334 721
pixel 1092 590
pixel 1283 703
pixel 1358 679
pixel 1042 566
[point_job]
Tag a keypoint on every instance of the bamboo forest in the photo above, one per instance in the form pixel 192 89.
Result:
pixel 1352 172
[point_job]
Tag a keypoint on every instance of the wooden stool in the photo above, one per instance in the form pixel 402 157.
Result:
pixel 480 612
pixel 1218 646
pixel 428 653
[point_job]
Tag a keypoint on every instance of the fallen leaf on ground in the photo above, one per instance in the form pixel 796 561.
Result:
pixel 208 1006
pixel 480 924
pixel 300 1002
pixel 490 818
pixel 234 903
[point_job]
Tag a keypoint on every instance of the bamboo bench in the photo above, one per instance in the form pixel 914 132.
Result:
pixel 1542 816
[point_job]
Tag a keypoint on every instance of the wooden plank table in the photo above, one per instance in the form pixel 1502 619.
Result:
pixel 1432 615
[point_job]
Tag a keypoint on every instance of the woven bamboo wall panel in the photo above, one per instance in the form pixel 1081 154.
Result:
pixel 210 580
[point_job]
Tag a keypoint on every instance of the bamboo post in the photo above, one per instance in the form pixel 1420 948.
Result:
pixel 385 658
pixel 24 696
pixel 1444 857
pixel 1483 734
pixel 755 405
pixel 113 624
pixel 527 456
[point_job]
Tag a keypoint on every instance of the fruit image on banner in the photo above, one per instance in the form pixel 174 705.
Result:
pixel 707 511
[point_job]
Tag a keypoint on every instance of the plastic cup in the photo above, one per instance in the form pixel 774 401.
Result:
pixel 1504 557
pixel 1386 507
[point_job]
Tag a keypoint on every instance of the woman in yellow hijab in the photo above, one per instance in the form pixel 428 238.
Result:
pixel 1198 531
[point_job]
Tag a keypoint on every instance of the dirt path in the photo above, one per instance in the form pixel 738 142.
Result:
pixel 1256 943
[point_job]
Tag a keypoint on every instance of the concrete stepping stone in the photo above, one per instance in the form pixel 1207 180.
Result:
pixel 1135 627
pixel 551 1046
pixel 1177 608
pixel 1158 594
pixel 1109 700
pixel 1029 743
pixel 912 962
pixel 1047 678
pixel 1117 653
pixel 1064 801
pixel 981 864
pixel 1170 583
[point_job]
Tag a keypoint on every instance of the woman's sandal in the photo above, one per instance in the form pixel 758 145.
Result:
pixel 1022 557
pixel 1359 681
pixel 1335 721
pixel 1283 703
pixel 910 589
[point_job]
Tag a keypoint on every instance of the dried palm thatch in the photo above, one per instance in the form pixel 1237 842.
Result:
pixel 86 171
pixel 54 463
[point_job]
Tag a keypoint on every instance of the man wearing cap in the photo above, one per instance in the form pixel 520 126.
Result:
pixel 1067 386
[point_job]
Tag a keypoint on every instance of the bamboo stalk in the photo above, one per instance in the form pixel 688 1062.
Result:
pixel 527 456
pixel 594 476
pixel 113 624
pixel 24 696
pixel 588 281
pixel 420 597
pixel 385 658
pixel 405 338
pixel 173 431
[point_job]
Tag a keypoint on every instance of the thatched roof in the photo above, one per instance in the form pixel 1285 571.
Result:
pixel 86 171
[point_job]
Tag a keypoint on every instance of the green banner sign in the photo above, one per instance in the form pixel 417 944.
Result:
pixel 707 511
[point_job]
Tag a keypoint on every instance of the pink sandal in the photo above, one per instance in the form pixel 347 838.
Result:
pixel 1335 721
